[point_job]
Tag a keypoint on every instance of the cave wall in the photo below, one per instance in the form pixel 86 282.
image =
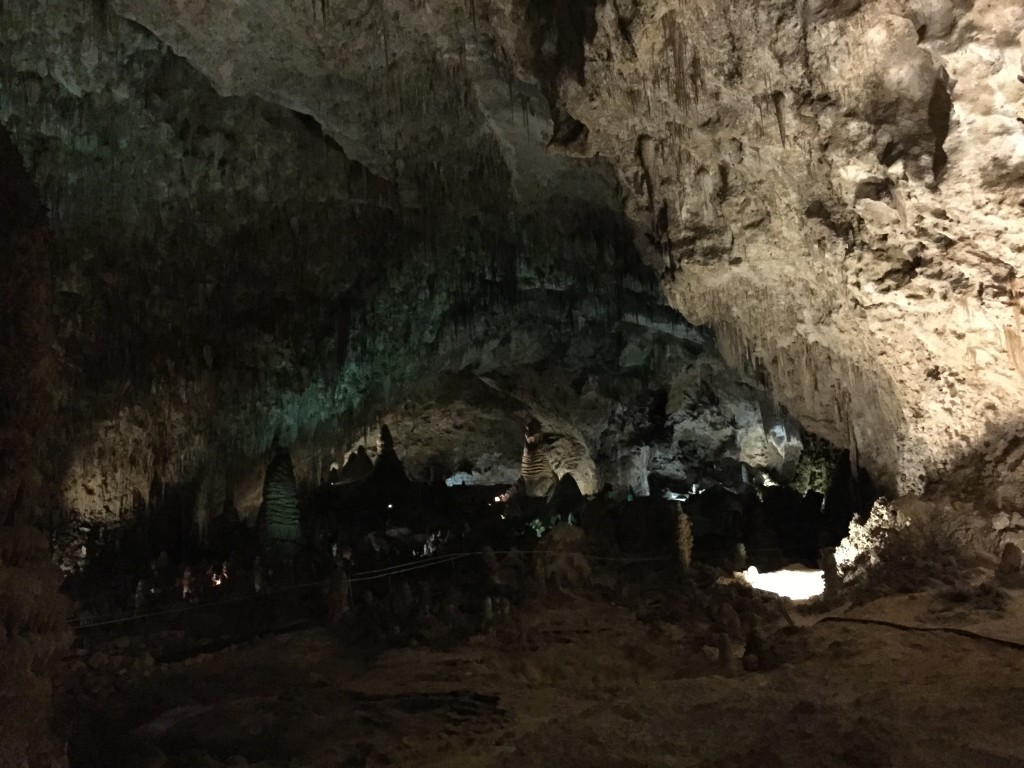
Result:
pixel 268 222
pixel 34 634
pixel 834 215
pixel 30 390
pixel 285 290
pixel 831 187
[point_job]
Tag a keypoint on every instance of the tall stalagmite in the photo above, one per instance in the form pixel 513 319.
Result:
pixel 279 527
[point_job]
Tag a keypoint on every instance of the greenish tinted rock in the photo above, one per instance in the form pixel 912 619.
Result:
pixel 279 526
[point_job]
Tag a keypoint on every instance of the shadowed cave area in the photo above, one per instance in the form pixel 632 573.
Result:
pixel 508 382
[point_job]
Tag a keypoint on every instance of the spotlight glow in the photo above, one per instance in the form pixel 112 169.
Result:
pixel 674 496
pixel 794 582
pixel 460 478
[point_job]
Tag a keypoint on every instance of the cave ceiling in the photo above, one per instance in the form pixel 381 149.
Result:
pixel 276 217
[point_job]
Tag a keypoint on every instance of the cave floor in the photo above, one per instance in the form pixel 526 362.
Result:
pixel 580 681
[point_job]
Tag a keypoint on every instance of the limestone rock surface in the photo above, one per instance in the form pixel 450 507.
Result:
pixel 833 189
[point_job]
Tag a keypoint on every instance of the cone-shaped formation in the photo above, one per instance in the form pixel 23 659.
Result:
pixel 385 442
pixel 357 467
pixel 388 471
pixel 280 532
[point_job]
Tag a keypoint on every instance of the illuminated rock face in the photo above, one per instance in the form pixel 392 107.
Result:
pixel 283 215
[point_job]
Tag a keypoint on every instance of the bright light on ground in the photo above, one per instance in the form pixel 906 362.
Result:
pixel 459 478
pixel 794 582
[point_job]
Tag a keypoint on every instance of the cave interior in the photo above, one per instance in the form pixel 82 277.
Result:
pixel 492 382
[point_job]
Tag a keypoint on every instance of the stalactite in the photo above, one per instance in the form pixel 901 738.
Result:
pixel 678 45
pixel 778 100
pixel 1014 347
